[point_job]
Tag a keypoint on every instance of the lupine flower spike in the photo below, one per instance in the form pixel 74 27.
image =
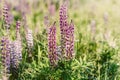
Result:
pixel 18 38
pixel 18 30
pixel 52 45
pixel 29 39
pixel 70 41
pixel 5 56
pixel 16 56
pixel 63 27
pixel 6 17
pixel 16 51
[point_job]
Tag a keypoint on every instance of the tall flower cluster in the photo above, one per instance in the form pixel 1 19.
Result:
pixel 16 54
pixel 29 38
pixel 11 52
pixel 70 41
pixel 16 48
pixel 63 27
pixel 6 17
pixel 18 41
pixel 5 54
pixel 67 34
pixel 52 45
pixel 18 30
pixel 66 49
pixel 5 45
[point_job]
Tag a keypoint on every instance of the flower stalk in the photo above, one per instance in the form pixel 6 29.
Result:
pixel 70 41
pixel 16 48
pixel 6 18
pixel 5 56
pixel 63 27
pixel 52 45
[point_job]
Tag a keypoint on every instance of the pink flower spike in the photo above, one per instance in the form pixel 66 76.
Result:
pixel 52 45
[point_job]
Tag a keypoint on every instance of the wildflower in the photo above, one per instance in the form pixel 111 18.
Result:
pixel 29 38
pixel 5 55
pixel 12 54
pixel 52 45
pixel 6 17
pixel 16 54
pixel 70 41
pixel 18 44
pixel 18 30
pixel 29 34
pixel 63 27
pixel 16 48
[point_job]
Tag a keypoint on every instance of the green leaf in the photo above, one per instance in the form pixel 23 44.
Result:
pixel 39 54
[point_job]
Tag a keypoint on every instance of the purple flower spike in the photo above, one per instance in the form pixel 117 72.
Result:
pixel 63 27
pixel 52 45
pixel 29 38
pixel 6 54
pixel 16 53
pixel 6 17
pixel 18 30
pixel 70 41
pixel 17 46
